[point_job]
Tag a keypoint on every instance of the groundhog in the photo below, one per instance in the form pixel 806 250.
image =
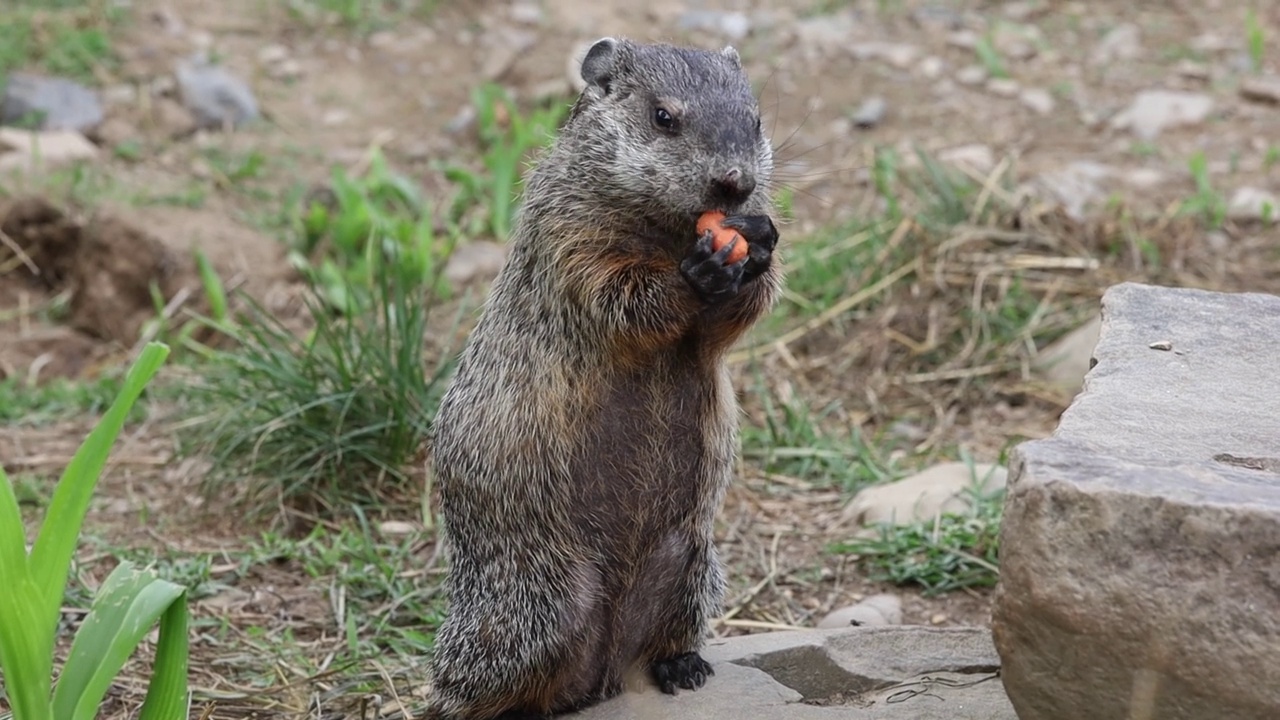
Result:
pixel 586 440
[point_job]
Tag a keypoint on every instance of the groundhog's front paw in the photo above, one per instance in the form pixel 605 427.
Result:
pixel 709 272
pixel 688 671
pixel 761 236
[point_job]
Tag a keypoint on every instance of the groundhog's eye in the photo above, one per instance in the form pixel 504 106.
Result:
pixel 757 124
pixel 664 119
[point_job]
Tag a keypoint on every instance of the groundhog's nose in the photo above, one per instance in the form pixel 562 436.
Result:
pixel 732 185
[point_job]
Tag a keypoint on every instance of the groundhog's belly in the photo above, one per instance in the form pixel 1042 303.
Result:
pixel 642 465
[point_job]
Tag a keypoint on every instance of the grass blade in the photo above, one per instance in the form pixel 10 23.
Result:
pixel 26 640
pixel 56 542
pixel 129 603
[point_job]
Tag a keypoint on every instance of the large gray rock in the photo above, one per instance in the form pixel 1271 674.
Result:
pixel 53 103
pixel 885 673
pixel 1140 549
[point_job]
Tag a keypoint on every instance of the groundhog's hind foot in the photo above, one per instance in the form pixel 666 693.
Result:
pixel 688 671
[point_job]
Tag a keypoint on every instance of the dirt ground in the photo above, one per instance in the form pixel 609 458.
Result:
pixel 404 89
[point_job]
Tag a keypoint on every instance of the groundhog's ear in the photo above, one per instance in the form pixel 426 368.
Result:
pixel 600 64
pixel 730 52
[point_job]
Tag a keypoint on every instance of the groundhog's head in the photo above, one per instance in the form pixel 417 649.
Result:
pixel 671 131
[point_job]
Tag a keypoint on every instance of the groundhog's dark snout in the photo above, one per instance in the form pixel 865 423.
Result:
pixel 732 186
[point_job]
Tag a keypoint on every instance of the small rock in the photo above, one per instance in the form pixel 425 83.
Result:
pixel 526 13
pixel 875 611
pixel 938 618
pixel 115 131
pixel 1154 111
pixel 118 95
pixel 214 96
pixel 272 54
pixel 1004 87
pixel 870 113
pixel 978 157
pixel 53 103
pixel 731 25
pixel 971 75
pixel 476 261
pixel 29 150
pixel 1250 204
pixel 334 117
pixel 963 39
pixel 504 53
pixel 397 528
pixel 1065 363
pixel 823 35
pixel 1123 42
pixel 1265 89
pixel 1192 70
pixel 1016 42
pixel 896 54
pixel 939 489
pixel 1038 99
pixel 174 120
pixel 931 67
pixel 287 69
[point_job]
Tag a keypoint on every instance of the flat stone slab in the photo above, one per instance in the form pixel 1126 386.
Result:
pixel 882 673
pixel 1140 547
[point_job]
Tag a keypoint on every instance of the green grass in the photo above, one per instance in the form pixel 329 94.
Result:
pixel 1256 40
pixel 60 399
pixel 944 554
pixel 323 420
pixel 509 138
pixel 361 16
pixel 376 222
pixel 990 57
pixel 67 37
pixel 789 439
pixel 1207 202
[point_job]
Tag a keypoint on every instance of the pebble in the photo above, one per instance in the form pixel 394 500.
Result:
pixel 731 25
pixel 942 488
pixel 1154 111
pixel 1192 70
pixel 1251 204
pixel 1065 362
pixel 272 54
pixel 971 75
pixel 1123 42
pixel 214 96
pixel 979 158
pixel 29 150
pixel 56 103
pixel 526 13
pixel 870 113
pixel 931 67
pixel 875 611
pixel 1004 87
pixel 1015 42
pixel 172 118
pixel 1038 99
pixel 397 528
pixel 898 55
pixel 1265 89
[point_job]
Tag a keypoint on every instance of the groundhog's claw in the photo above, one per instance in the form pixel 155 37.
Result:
pixel 762 237
pixel 688 671
pixel 706 270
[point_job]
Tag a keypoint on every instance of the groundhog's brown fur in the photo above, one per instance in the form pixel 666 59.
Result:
pixel 585 444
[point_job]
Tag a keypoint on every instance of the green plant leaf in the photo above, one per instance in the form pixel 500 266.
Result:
pixel 26 640
pixel 56 542
pixel 213 289
pixel 167 697
pixel 125 608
